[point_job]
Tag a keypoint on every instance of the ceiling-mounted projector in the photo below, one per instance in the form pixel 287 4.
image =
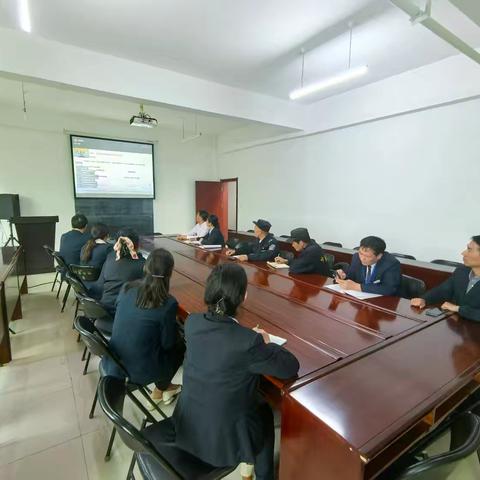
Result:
pixel 143 120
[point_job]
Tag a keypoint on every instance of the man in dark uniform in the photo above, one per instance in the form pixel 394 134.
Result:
pixel 311 258
pixel 265 247
pixel 72 242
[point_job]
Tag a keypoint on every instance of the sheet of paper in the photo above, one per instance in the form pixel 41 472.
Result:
pixel 278 340
pixel 277 265
pixel 211 247
pixel 360 295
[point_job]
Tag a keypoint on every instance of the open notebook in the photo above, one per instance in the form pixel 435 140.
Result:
pixel 360 295
pixel 277 265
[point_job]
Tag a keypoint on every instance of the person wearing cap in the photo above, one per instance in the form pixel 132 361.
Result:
pixel 311 258
pixel 264 248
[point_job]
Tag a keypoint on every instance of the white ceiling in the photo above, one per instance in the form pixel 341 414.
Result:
pixel 252 44
pixel 41 97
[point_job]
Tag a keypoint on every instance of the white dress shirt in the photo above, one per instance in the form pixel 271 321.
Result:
pixel 199 230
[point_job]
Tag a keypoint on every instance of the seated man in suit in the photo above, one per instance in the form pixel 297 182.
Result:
pixel 71 242
pixel 311 258
pixel 214 235
pixel 200 229
pixel 461 292
pixel 265 247
pixel 221 417
pixel 373 270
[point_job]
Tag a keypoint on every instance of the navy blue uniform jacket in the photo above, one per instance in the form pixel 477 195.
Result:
pixel 310 260
pixel 386 277
pixel 454 290
pixel 263 251
pixel 214 237
pixel 70 245
pixel 142 338
pixel 114 275
pixel 98 255
pixel 216 418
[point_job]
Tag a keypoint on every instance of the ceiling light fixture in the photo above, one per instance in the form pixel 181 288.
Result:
pixel 342 77
pixel 143 120
pixel 24 14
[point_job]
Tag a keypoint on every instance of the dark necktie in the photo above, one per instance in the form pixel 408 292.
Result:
pixel 369 272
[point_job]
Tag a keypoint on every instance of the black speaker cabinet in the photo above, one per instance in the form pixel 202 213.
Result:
pixel 9 206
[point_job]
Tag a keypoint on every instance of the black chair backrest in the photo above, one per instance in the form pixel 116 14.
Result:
pixel 465 440
pixel 333 244
pixel 232 242
pixel 356 248
pixel 286 255
pixel 61 262
pixel 87 273
pixel 411 287
pixel 242 248
pixel 449 263
pixel 94 309
pixel 330 259
pixel 111 396
pixel 49 250
pixel 250 231
pixel 341 266
pixel 77 285
pixel 403 255
pixel 96 342
pixel 284 236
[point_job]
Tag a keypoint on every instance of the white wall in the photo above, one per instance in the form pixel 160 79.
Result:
pixel 412 179
pixel 35 163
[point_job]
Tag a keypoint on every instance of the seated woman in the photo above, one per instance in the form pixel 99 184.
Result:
pixel 220 416
pixel 214 235
pixel 95 251
pixel 122 265
pixel 145 333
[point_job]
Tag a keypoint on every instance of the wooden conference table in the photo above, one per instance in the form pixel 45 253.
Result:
pixel 12 285
pixel 375 376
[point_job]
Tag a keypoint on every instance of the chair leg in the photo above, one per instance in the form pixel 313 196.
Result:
pixel 76 311
pixel 94 404
pixel 84 354
pixel 59 288
pixel 110 444
pixel 86 363
pixel 153 403
pixel 78 338
pixel 65 297
pixel 130 469
pixel 54 282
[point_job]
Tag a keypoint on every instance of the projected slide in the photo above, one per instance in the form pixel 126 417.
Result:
pixel 112 168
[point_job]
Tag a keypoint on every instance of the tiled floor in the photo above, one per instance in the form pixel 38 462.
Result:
pixel 45 432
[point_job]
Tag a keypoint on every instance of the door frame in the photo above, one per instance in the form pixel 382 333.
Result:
pixel 228 180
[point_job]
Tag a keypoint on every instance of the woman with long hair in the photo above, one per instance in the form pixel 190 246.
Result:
pixel 214 235
pixel 95 251
pixel 145 333
pixel 220 416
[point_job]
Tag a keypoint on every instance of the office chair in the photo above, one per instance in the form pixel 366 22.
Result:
pixel 403 255
pixel 333 244
pixel 153 447
pixel 58 270
pixel 330 259
pixel 98 345
pixel 464 441
pixel 449 263
pixel 411 287
pixel 86 273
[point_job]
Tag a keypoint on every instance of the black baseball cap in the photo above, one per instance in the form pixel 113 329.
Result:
pixel 299 234
pixel 263 225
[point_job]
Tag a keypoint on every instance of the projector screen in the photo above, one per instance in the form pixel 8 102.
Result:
pixel 104 168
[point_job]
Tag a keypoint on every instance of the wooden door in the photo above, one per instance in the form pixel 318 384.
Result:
pixel 213 197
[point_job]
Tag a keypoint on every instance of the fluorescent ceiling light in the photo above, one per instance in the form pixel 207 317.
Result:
pixel 329 82
pixel 24 14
